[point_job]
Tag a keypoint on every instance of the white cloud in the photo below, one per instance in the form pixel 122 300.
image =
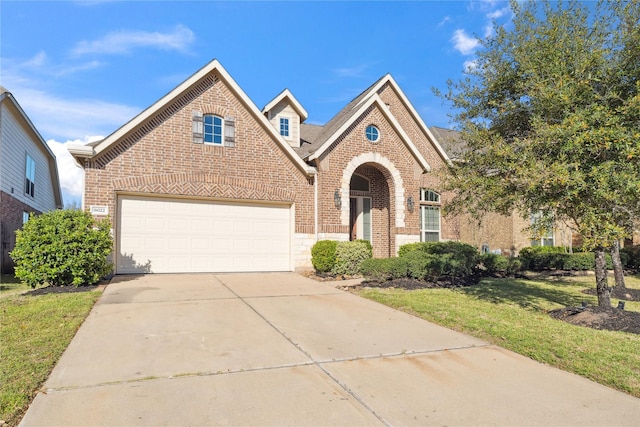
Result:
pixel 470 65
pixel 355 71
pixel 71 175
pixel 499 13
pixel 71 118
pixel 120 42
pixel 445 20
pixel 464 43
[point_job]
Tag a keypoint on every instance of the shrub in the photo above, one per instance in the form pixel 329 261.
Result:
pixel 630 257
pixel 378 269
pixel 555 258
pixel 459 259
pixel 494 264
pixel 425 261
pixel 350 255
pixel 323 255
pixel 411 247
pixel 62 247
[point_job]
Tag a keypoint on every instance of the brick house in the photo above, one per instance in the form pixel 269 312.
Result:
pixel 205 181
pixel 29 180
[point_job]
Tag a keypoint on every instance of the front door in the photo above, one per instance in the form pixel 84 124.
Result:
pixel 360 218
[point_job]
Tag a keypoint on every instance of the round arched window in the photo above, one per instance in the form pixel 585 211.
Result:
pixel 373 134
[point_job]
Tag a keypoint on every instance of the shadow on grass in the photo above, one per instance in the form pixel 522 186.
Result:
pixel 528 294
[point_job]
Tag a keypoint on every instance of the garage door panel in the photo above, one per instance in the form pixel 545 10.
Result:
pixel 194 236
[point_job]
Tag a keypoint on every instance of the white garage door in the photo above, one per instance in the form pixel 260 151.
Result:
pixel 177 236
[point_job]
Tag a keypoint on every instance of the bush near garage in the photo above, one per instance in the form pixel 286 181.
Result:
pixel 350 255
pixel 62 247
pixel 323 255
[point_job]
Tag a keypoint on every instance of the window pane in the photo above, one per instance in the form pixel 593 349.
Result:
pixel 429 196
pixel 359 183
pixel 212 129
pixel 372 133
pixel 429 223
pixel 431 237
pixel 284 127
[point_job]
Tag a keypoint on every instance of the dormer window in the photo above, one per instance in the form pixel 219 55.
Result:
pixel 284 126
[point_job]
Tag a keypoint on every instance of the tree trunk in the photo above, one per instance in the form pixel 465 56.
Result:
pixel 602 288
pixel 617 267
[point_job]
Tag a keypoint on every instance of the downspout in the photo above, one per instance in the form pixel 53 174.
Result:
pixel 315 203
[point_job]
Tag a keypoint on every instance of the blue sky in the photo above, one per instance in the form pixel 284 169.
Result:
pixel 82 69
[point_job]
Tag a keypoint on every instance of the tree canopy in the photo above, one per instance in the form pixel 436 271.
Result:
pixel 550 113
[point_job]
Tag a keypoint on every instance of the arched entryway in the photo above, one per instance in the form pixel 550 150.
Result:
pixel 370 209
pixel 387 202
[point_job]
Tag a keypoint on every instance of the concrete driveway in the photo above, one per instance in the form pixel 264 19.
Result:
pixel 279 349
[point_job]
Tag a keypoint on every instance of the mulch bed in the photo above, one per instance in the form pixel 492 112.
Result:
pixel 613 319
pixel 609 318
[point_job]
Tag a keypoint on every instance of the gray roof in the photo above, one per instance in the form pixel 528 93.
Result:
pixel 449 140
pixel 314 136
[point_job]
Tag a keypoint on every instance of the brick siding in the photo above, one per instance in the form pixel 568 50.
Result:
pixel 11 212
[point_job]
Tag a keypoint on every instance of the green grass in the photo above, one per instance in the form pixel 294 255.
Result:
pixel 513 314
pixel 34 332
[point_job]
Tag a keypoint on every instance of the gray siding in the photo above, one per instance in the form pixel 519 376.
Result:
pixel 16 141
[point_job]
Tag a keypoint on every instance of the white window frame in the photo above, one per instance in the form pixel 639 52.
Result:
pixel 213 133
pixel 30 176
pixel 367 133
pixel 429 201
pixel 286 121
pixel 545 240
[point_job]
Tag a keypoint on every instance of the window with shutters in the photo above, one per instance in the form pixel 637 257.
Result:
pixel 212 129
pixel 30 177
pixel 212 133
pixel 429 216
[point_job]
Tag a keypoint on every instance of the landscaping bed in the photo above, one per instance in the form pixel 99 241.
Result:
pixel 591 316
pixel 609 318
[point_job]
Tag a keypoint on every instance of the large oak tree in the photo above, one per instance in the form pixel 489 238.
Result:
pixel 550 113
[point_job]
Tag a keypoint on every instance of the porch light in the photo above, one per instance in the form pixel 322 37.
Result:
pixel 410 204
pixel 336 199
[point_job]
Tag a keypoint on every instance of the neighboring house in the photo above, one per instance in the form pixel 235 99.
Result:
pixel 204 181
pixel 29 180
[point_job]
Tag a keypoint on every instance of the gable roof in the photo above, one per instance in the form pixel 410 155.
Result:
pixel 319 142
pixel 6 96
pixel 286 94
pixel 89 151
pixel 450 140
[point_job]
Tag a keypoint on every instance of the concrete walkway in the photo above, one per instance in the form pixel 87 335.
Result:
pixel 279 349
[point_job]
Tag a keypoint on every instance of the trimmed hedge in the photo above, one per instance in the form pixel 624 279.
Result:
pixel 538 258
pixel 350 255
pixel 460 258
pixel 425 261
pixel 630 257
pixel 323 255
pixel 499 265
pixel 329 256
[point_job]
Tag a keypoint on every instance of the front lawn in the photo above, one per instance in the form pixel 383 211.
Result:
pixel 513 314
pixel 34 332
